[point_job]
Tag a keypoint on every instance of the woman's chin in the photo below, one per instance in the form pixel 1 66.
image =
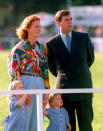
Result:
pixel 37 36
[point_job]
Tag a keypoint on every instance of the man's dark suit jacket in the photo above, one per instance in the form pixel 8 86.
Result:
pixel 71 69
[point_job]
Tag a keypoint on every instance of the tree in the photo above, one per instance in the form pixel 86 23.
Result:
pixel 85 2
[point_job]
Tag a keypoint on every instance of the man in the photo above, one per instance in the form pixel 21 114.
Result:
pixel 69 60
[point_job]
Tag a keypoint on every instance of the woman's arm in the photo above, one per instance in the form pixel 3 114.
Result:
pixel 14 64
pixel 45 73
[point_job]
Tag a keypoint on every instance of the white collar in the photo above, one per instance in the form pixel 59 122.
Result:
pixel 64 35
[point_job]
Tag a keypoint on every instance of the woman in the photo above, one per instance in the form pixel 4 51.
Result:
pixel 27 62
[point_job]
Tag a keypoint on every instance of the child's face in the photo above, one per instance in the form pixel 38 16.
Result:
pixel 57 101
pixel 19 86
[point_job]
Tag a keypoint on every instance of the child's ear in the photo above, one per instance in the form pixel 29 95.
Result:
pixel 52 104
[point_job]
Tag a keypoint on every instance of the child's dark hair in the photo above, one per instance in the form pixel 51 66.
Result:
pixel 52 98
pixel 61 13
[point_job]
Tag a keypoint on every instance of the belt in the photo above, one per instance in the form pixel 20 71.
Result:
pixel 31 74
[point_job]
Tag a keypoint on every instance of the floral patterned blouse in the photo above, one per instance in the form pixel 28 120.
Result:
pixel 25 58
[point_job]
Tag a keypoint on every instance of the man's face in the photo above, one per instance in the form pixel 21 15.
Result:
pixel 65 24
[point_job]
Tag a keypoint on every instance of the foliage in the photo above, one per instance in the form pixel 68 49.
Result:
pixel 85 2
pixel 32 6
pixel 51 6
pixel 18 9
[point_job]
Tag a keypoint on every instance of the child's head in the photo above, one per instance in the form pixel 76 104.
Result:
pixel 55 100
pixel 16 85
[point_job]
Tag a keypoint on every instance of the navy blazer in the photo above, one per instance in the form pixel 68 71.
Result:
pixel 71 69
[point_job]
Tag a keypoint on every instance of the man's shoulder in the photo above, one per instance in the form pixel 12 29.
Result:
pixel 80 33
pixel 52 39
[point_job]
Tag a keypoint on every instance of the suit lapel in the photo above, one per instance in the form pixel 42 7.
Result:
pixel 74 43
pixel 61 47
pixel 62 53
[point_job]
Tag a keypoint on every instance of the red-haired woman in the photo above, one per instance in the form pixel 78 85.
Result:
pixel 27 62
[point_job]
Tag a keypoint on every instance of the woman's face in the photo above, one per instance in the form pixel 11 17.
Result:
pixel 35 29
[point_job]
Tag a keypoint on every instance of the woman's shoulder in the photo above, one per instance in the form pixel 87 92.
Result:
pixel 16 49
pixel 52 39
pixel 17 46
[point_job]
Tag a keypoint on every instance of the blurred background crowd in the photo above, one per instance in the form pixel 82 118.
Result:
pixel 87 17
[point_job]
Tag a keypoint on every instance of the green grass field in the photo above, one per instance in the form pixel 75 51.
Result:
pixel 97 76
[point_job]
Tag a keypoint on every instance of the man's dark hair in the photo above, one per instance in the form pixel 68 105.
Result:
pixel 61 13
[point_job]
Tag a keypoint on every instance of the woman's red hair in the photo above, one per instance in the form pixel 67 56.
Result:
pixel 21 31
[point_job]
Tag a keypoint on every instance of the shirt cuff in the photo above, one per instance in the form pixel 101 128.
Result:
pixel 46 82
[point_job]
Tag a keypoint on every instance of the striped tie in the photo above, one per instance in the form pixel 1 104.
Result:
pixel 68 43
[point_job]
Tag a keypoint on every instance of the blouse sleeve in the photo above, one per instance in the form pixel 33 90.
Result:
pixel 13 64
pixel 45 73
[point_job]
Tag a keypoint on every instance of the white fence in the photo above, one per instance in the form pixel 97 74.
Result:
pixel 40 93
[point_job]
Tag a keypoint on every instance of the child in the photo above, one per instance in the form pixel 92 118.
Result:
pixel 16 120
pixel 58 116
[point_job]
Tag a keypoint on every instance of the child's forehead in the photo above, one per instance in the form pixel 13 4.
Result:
pixel 19 84
pixel 58 95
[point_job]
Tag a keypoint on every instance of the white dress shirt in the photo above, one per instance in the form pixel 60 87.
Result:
pixel 63 36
